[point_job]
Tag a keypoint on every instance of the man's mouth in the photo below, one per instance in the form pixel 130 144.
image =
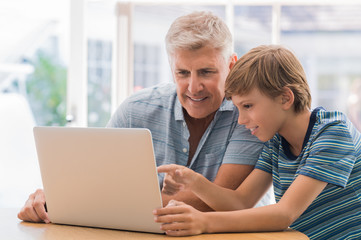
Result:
pixel 197 99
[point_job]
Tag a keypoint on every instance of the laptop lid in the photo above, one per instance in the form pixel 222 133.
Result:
pixel 99 177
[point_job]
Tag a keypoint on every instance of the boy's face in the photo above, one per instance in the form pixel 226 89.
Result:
pixel 262 115
pixel 200 77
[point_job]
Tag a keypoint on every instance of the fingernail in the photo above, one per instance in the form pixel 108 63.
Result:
pixel 46 221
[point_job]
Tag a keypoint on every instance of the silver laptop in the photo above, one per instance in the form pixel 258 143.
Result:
pixel 99 177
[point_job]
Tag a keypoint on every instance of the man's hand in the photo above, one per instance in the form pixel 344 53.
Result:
pixel 34 208
pixel 177 178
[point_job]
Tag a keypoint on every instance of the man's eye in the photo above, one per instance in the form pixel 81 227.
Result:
pixel 207 72
pixel 182 73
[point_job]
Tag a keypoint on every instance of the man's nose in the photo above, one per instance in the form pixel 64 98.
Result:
pixel 195 84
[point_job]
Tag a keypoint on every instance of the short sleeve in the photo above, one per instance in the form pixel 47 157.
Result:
pixel 243 147
pixel 331 158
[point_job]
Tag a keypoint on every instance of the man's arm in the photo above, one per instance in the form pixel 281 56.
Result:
pixel 228 176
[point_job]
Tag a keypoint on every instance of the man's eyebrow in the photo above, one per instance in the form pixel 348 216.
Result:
pixel 207 68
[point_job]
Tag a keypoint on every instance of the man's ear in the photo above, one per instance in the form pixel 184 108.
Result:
pixel 233 59
pixel 288 98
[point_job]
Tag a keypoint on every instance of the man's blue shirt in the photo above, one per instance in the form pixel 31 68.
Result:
pixel 158 109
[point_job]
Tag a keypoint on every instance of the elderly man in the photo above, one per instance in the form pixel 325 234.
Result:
pixel 191 122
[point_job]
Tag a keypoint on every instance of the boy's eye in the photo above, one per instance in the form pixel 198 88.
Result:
pixel 247 106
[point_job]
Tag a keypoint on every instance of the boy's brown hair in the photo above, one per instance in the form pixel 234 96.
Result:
pixel 270 68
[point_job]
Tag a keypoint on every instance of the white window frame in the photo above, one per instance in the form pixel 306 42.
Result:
pixel 77 84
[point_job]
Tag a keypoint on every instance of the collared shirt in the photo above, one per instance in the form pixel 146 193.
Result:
pixel 332 154
pixel 159 109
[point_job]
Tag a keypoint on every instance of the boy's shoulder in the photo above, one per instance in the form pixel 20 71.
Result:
pixel 330 117
pixel 334 124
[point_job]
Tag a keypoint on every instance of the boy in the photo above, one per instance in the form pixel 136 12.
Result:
pixel 312 158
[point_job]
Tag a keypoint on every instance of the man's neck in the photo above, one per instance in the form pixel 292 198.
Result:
pixel 196 128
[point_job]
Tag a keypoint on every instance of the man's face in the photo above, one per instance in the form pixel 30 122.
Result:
pixel 200 77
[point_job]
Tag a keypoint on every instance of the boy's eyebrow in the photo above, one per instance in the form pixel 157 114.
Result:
pixel 239 103
pixel 244 101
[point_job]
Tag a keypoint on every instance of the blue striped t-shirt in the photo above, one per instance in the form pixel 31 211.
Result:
pixel 159 110
pixel 331 153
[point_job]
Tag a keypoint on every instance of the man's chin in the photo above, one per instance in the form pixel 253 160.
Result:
pixel 197 114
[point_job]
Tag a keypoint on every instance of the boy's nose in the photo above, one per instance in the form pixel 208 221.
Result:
pixel 241 119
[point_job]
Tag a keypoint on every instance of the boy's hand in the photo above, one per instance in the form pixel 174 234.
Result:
pixel 180 219
pixel 177 178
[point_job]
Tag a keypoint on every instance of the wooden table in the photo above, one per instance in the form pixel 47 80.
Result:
pixel 13 228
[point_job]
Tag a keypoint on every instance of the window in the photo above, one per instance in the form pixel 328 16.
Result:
pixel 99 79
pixel 252 27
pixel 32 88
pixel 99 36
pixel 326 39
pixel 35 62
pixel 146 66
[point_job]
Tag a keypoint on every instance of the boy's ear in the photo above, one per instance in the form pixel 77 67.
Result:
pixel 288 98
pixel 232 61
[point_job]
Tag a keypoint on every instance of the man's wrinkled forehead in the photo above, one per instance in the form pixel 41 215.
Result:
pixel 212 58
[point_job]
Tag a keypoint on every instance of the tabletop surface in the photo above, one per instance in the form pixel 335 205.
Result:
pixel 13 228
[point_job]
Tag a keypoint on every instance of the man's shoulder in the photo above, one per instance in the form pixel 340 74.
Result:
pixel 161 92
pixel 145 105
pixel 156 99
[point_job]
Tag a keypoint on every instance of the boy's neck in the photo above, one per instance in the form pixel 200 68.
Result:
pixel 295 129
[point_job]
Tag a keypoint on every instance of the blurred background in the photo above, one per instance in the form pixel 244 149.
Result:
pixel 72 62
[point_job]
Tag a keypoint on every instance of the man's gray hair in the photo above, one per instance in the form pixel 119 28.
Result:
pixel 199 29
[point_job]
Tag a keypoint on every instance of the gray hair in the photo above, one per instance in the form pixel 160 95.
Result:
pixel 199 29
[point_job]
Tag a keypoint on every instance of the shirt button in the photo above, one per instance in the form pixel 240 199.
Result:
pixel 185 150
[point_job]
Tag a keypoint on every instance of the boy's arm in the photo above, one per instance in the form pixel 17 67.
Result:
pixel 183 220
pixel 246 195
pixel 217 197
pixel 276 217
pixel 229 176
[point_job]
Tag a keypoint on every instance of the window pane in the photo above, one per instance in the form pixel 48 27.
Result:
pixel 327 41
pixel 101 31
pixel 151 24
pixel 252 27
